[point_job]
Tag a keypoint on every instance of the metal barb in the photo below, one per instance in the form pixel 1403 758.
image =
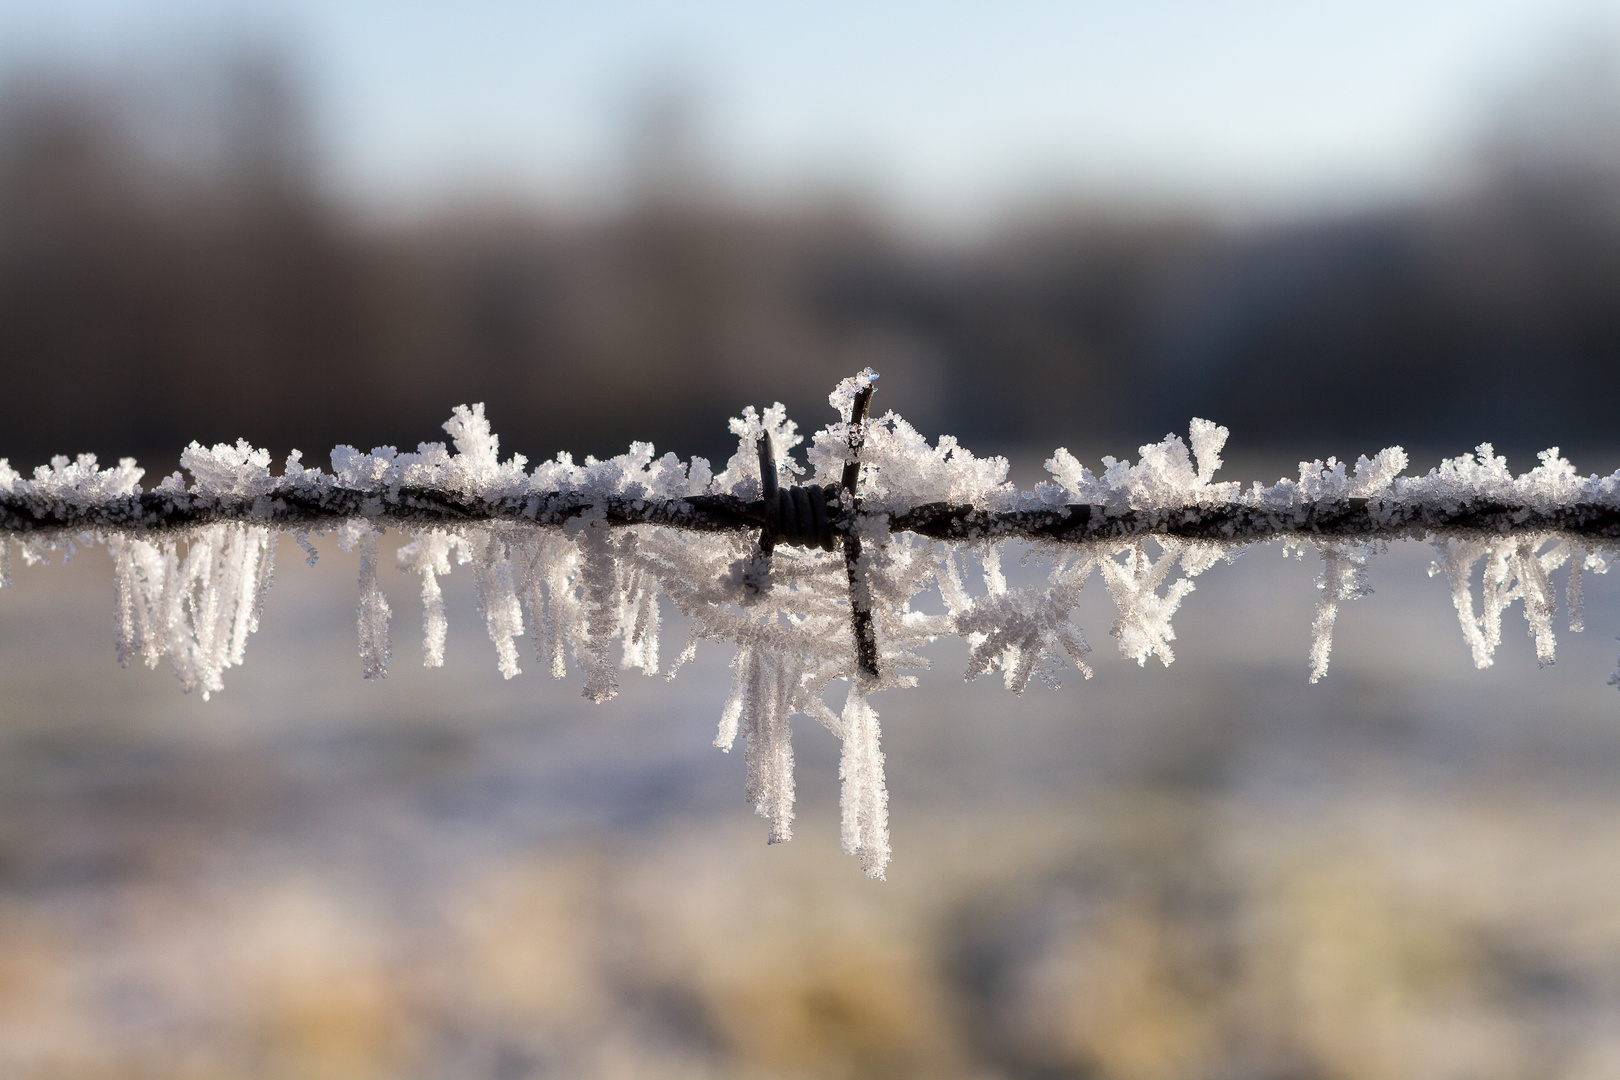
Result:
pixel 857 436
pixel 769 493
pixel 860 592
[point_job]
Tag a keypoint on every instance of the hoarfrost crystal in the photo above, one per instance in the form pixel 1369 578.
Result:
pixel 583 559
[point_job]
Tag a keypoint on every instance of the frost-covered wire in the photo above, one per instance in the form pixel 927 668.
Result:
pixel 808 566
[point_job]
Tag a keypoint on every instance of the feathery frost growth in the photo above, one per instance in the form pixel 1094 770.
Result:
pixel 584 559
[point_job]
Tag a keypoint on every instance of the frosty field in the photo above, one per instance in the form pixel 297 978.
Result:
pixel 1212 869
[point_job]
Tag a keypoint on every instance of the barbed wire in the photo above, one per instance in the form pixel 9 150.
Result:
pixel 837 518
pixel 828 517
pixel 29 513
pixel 543 561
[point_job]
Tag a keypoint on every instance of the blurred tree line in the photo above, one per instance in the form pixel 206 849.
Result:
pixel 177 273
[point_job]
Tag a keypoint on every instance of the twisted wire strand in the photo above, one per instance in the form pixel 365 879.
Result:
pixel 805 515
pixel 26 514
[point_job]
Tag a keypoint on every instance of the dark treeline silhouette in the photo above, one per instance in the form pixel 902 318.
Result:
pixel 151 295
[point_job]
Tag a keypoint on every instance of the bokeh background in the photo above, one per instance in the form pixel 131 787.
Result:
pixel 1331 227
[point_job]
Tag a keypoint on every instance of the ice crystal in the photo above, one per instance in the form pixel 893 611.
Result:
pixel 196 610
pixel 1343 577
pixel 591 590
pixel 372 613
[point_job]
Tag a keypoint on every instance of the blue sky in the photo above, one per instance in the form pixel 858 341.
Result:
pixel 943 110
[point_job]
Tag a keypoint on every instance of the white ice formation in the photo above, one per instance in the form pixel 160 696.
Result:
pixel 584 589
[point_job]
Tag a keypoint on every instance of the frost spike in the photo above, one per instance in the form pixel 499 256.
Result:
pixel 864 801
pixel 1343 577
pixel 498 602
pixel 596 620
pixel 429 555
pixel 1574 593
pixel 372 613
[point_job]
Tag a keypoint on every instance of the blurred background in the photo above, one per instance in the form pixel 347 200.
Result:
pixel 1331 227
